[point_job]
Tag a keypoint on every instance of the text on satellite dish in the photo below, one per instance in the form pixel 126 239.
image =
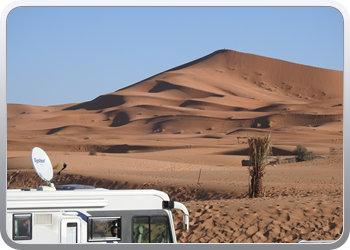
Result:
pixel 39 160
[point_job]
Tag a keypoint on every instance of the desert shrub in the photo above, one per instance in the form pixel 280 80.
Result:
pixel 56 166
pixel 92 152
pixel 302 154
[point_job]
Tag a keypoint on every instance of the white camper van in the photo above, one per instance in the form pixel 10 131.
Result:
pixel 85 214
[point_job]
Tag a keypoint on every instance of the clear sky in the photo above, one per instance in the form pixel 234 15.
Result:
pixel 59 55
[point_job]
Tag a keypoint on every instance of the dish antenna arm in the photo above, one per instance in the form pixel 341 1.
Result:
pixel 64 167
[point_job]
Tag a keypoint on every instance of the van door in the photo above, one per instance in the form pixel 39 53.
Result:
pixel 70 230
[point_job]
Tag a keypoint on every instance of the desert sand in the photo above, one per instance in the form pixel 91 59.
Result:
pixel 184 131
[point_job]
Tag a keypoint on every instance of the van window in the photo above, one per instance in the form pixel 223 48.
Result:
pixel 104 228
pixel 151 229
pixel 72 232
pixel 22 227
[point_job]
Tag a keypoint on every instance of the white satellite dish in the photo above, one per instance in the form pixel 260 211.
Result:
pixel 42 164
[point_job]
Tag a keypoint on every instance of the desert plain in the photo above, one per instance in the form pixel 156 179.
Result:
pixel 184 131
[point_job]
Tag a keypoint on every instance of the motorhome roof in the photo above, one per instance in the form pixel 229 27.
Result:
pixel 65 187
pixel 99 197
pixel 26 193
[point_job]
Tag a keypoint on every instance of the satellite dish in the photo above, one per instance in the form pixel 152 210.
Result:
pixel 42 164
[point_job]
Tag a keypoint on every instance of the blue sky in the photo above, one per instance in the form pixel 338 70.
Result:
pixel 59 55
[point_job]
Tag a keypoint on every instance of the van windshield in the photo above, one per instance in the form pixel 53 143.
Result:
pixel 151 229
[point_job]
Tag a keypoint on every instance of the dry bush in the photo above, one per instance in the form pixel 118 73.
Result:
pixel 92 152
pixel 302 154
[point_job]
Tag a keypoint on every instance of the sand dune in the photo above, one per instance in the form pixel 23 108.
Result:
pixel 195 118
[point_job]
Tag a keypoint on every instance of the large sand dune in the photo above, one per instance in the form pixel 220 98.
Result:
pixel 164 131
